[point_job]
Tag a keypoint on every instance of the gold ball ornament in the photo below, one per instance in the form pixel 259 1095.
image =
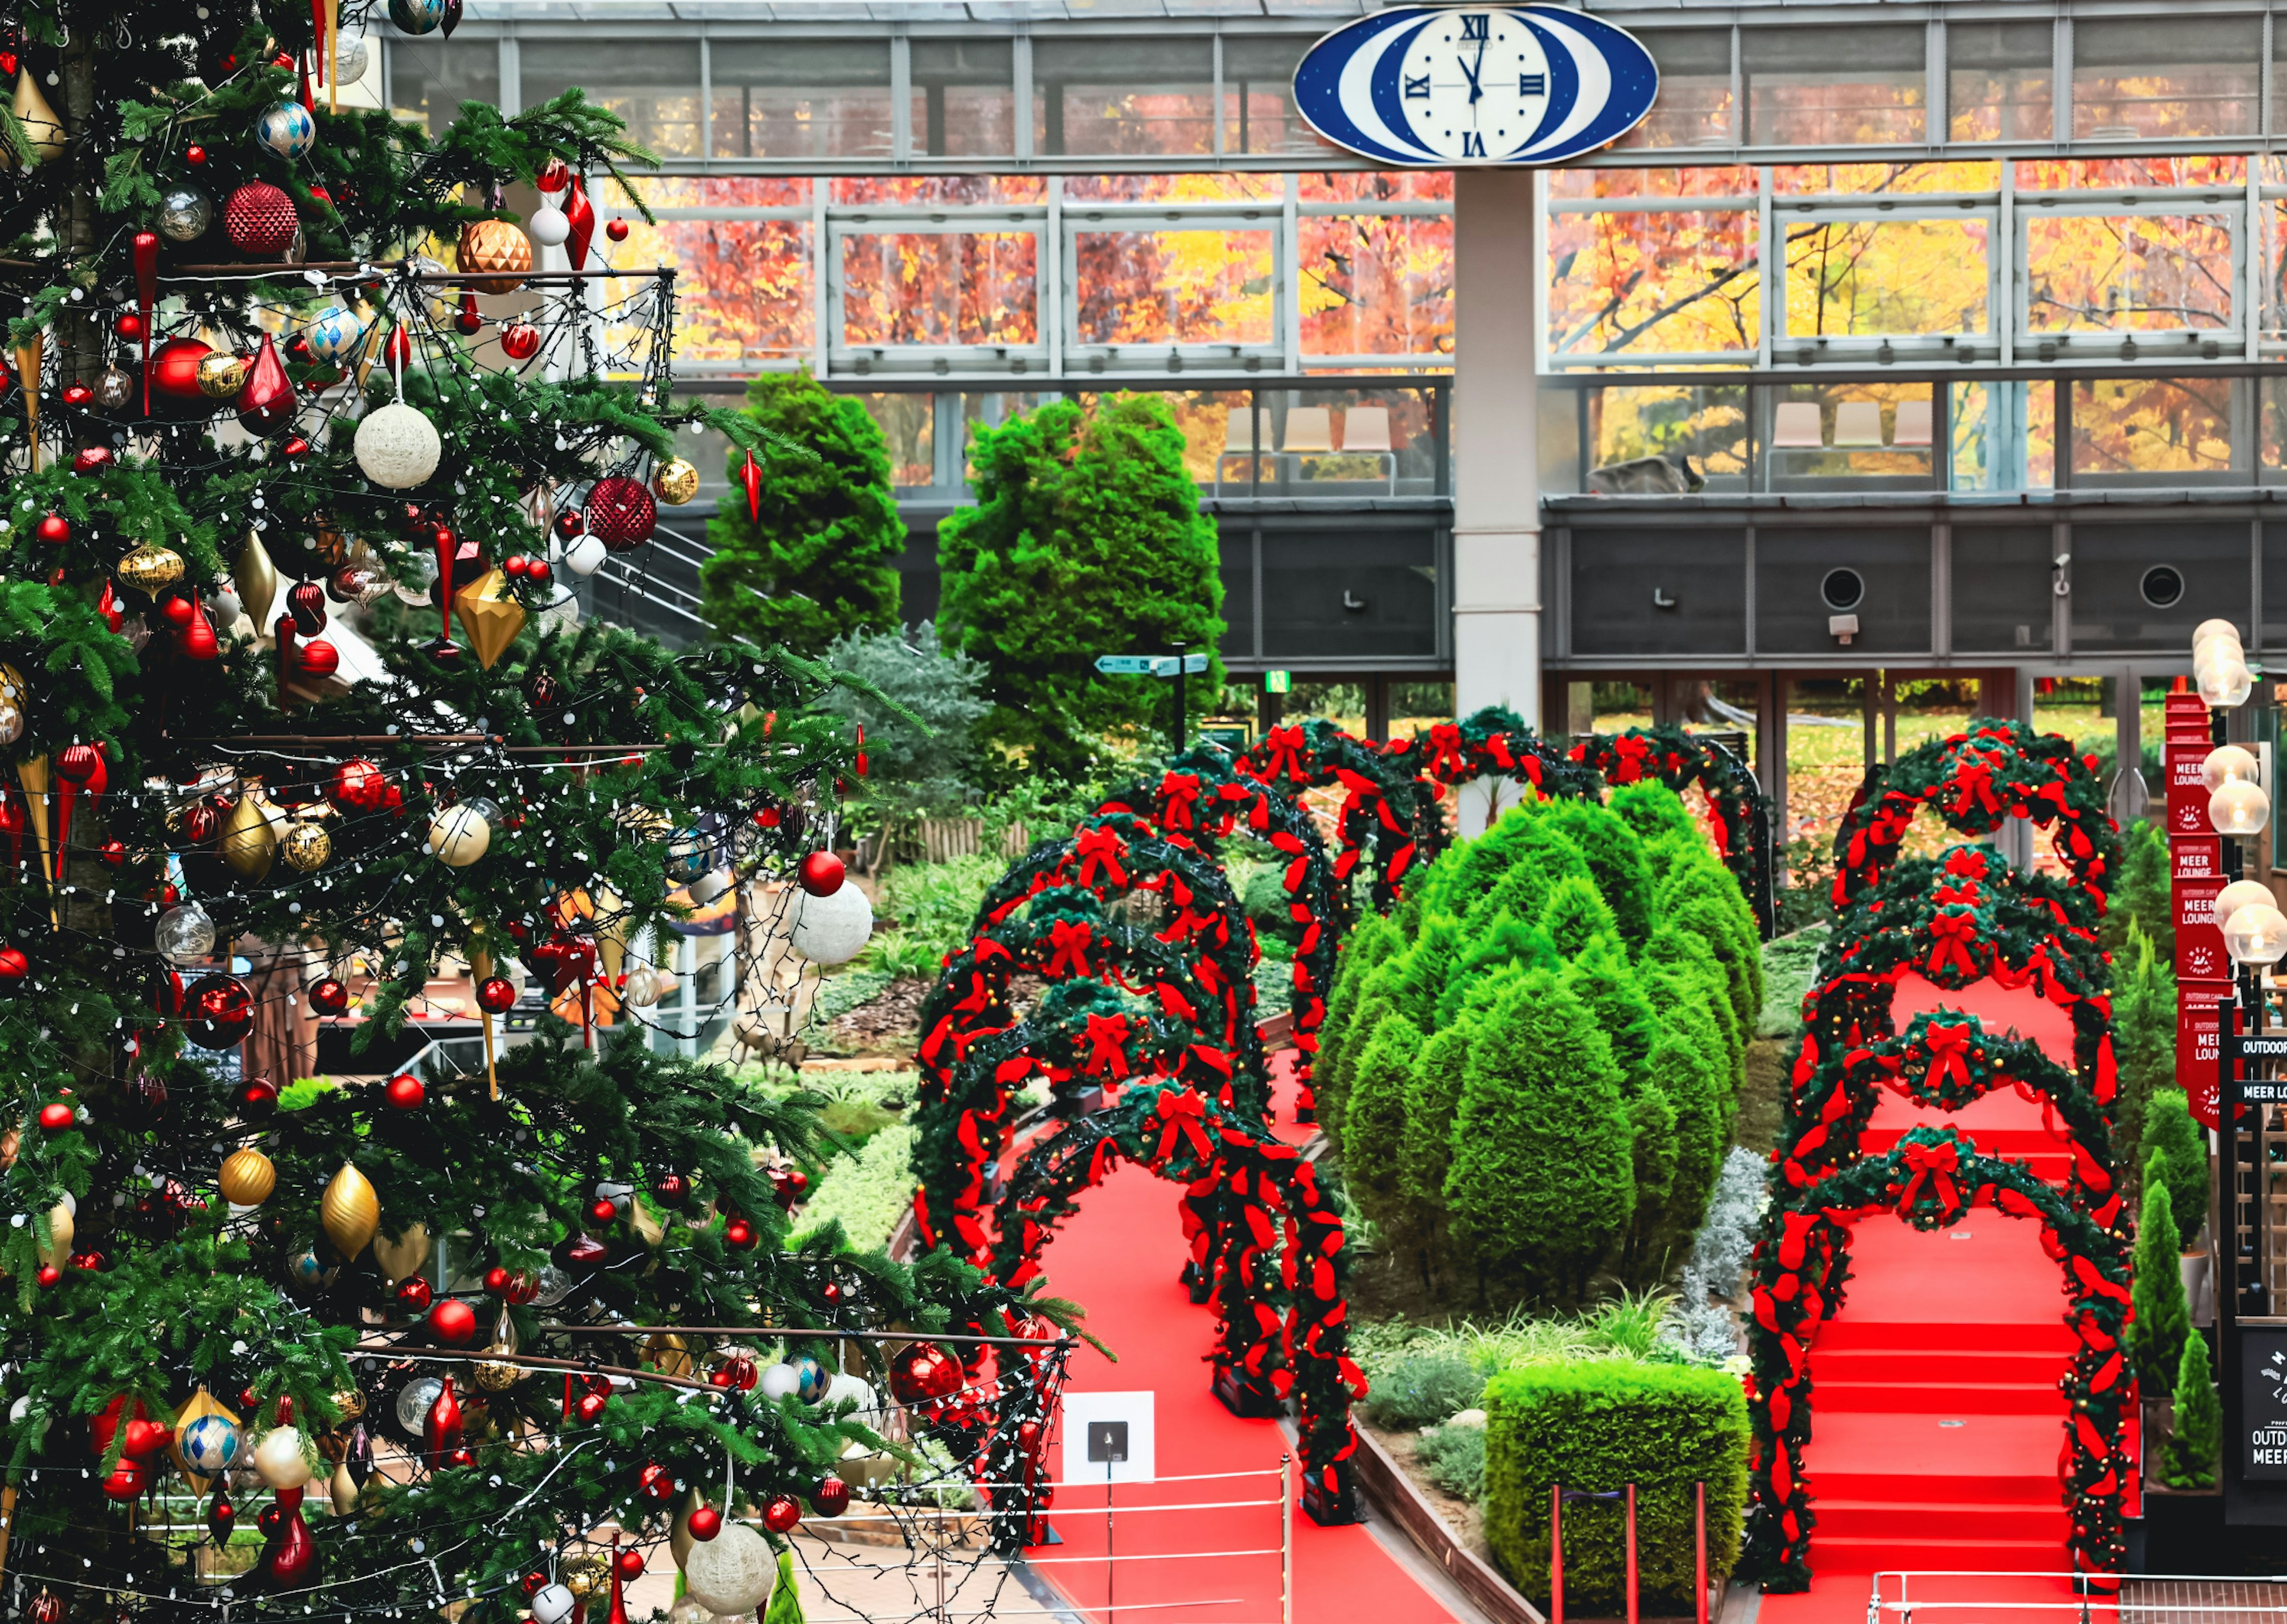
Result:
pixel 247 1178
pixel 585 1575
pixel 495 245
pixel 351 1402
pixel 459 836
pixel 150 570
pixel 12 685
pixel 350 1212
pixel 677 481
pixel 305 847
pixel 221 375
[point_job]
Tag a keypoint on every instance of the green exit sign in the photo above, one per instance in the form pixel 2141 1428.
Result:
pixel 1278 682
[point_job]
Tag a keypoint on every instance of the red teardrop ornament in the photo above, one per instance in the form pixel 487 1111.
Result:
pixel 198 639
pixel 441 1433
pixel 265 401
pixel 293 1558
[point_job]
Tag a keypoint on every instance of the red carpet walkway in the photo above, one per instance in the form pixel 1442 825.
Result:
pixel 1937 1422
pixel 1119 1259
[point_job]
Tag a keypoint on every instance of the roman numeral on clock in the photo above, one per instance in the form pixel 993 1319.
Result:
pixel 1477 25
pixel 1473 144
pixel 1417 90
pixel 1532 84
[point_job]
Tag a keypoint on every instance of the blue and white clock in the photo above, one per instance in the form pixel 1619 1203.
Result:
pixel 1443 86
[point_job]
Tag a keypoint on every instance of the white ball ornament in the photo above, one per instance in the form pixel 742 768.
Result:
pixel 553 1604
pixel 731 1573
pixel 397 447
pixel 832 930
pixel 781 1381
pixel 548 225
pixel 584 555
pixel 459 836
pixel 279 1458
pixel 350 57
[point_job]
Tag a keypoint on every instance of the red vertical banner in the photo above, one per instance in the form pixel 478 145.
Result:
pixel 2196 874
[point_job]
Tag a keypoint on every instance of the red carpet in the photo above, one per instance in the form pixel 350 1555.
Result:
pixel 1119 1259
pixel 1937 1421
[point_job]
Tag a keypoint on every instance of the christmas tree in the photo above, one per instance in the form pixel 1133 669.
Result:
pixel 289 677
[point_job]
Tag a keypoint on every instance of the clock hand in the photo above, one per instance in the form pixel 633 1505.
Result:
pixel 1469 72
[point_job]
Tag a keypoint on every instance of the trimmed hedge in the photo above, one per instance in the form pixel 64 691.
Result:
pixel 1599 1425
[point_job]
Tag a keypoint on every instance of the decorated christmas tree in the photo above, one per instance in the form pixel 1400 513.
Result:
pixel 301 726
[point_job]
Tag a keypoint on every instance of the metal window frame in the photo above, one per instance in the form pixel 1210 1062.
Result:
pixel 1108 360
pixel 849 359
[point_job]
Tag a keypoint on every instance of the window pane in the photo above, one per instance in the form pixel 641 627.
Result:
pixel 964 96
pixel 1862 278
pixel 939 189
pixel 1890 179
pixel 1124 96
pixel 2128 273
pixel 2079 174
pixel 1377 285
pixel 1258 96
pixel 1210 186
pixel 653 84
pixel 1173 287
pixel 2195 75
pixel 1706 180
pixel 428 82
pixel 1875 435
pixel 745 289
pixel 723 191
pixel 1814 87
pixel 1694 108
pixel 801 98
pixel 945 287
pixel 2151 425
pixel 1678 425
pixel 1382 185
pixel 909 424
pixel 1678 282
pixel 2001 81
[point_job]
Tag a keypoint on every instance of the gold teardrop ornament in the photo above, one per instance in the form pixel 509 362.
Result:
pixel 350 1212
pixel 404 1257
pixel 249 838
pixel 42 127
pixel 149 570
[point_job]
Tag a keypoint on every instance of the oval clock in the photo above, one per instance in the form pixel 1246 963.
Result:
pixel 1450 85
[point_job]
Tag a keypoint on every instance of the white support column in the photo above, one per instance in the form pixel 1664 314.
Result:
pixel 1497 277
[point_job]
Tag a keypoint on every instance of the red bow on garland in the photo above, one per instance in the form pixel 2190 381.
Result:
pixel 1954 933
pixel 1283 752
pixel 1446 761
pixel 1068 942
pixel 1633 753
pixel 1935 1165
pixel 1099 850
pixel 1948 1048
pixel 1107 1037
pixel 1179 793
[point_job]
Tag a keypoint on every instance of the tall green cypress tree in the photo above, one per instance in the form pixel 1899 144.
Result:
pixel 2172 1135
pixel 1086 539
pixel 1600 977
pixel 1616 858
pixel 1575 914
pixel 1545 858
pixel 1691 1075
pixel 2156 1336
pixel 2190 1459
pixel 822 560
pixel 1373 1117
pixel 2144 893
pixel 1542 1187
pixel 2143 1038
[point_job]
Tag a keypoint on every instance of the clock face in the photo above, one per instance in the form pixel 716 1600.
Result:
pixel 1444 86
pixel 1474 84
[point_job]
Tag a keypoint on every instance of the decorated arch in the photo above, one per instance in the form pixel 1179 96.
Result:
pixel 1931 1179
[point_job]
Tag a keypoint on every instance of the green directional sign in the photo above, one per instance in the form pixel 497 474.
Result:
pixel 1149 665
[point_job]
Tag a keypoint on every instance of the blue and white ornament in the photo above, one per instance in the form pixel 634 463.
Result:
pixel 417 16
pixel 306 1271
pixel 287 129
pixel 813 1380
pixel 334 332
pixel 210 1444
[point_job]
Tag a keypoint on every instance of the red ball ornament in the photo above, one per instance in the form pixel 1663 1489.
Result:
pixel 496 994
pixel 329 996
pixel 590 1406
pixel 831 1291
pixel 514 567
pixel 358 786
pixel 260 221
pixel 56 1117
pixel 413 1294
pixel 258 1097
pixel 406 1092
pixel 620 512
pixel 194 155
pixel 830 1498
pixel 519 341
pixel 705 1522
pixel 533 1584
pixel 617 231
pixel 129 327
pixel 923 1373
pixel 91 459
pixel 655 1481
pixel 453 1321
pixel 112 853
pixel 602 1212
pixel 49 1274
pixel 496 1281
pixel 739 1235
pixel 672 1189
pixel 177 611
pixel 55 529
pixel 780 1513
pixel 175 371
pixel 537 571
pixel 76 395
pixel 320 658
pixel 822 874
pixel 569 524
pixel 219 1012
pixel 631 1564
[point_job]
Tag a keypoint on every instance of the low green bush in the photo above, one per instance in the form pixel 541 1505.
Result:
pixel 1423 1388
pixel 1453 1458
pixel 866 1193
pixel 1599 1426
